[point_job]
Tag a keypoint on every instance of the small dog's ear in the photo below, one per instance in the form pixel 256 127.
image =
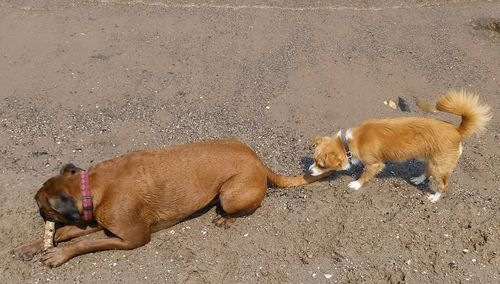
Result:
pixel 70 168
pixel 65 205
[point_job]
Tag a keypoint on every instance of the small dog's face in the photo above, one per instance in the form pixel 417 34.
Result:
pixel 329 155
pixel 53 200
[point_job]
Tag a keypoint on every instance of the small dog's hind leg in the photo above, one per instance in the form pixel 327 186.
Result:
pixel 442 184
pixel 419 179
pixel 434 197
pixel 440 168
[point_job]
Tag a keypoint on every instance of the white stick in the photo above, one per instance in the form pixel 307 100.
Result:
pixel 48 236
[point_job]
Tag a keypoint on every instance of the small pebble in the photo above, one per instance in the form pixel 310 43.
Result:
pixel 392 104
pixel 403 105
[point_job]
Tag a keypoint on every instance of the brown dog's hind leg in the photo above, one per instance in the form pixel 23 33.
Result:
pixel 240 196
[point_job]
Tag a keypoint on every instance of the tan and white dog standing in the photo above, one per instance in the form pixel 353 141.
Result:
pixel 437 142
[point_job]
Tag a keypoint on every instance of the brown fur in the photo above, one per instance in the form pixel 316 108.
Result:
pixel 146 191
pixel 399 139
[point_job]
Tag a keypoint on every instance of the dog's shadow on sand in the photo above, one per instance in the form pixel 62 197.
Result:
pixel 404 170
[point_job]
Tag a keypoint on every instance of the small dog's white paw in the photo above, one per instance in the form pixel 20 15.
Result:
pixel 418 180
pixel 315 171
pixel 434 197
pixel 355 185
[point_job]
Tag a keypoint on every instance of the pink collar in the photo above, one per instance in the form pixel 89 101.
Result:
pixel 86 197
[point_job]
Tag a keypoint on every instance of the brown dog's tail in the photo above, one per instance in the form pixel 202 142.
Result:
pixel 283 181
pixel 474 114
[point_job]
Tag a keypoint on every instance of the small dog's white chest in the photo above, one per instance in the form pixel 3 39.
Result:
pixel 355 161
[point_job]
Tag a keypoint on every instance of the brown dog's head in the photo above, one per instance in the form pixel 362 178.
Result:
pixel 54 200
pixel 329 155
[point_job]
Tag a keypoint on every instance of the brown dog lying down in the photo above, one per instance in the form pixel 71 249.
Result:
pixel 436 142
pixel 145 191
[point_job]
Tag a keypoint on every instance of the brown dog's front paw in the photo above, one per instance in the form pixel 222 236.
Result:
pixel 21 254
pixel 221 221
pixel 55 256
pixel 26 252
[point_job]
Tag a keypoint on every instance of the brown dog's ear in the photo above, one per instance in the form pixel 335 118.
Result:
pixel 70 168
pixel 65 205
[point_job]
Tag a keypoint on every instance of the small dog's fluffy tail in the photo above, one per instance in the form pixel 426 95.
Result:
pixel 284 181
pixel 474 114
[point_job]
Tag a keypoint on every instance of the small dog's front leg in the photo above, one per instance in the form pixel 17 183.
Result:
pixel 370 171
pixel 355 185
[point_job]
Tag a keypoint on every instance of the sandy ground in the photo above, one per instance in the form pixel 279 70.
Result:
pixel 84 81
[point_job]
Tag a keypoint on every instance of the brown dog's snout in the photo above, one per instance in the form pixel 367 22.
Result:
pixel 40 211
pixel 42 214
